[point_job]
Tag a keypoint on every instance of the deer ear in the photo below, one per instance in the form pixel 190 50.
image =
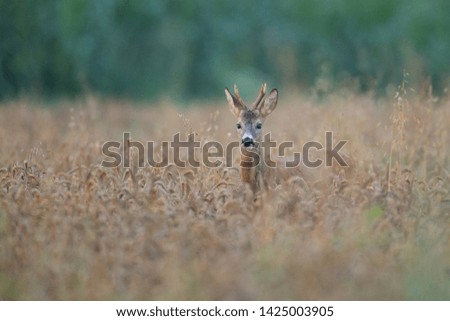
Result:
pixel 270 103
pixel 233 103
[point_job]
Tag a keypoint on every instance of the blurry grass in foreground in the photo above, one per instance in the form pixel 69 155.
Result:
pixel 70 229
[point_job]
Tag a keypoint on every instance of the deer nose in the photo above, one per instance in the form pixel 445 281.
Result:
pixel 248 141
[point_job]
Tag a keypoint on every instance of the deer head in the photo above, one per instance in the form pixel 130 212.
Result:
pixel 251 120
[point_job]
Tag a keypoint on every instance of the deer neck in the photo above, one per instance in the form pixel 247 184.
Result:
pixel 252 167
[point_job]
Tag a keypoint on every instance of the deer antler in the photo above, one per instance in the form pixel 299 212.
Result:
pixel 262 92
pixel 238 96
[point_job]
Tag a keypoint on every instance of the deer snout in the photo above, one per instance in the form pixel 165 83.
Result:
pixel 248 141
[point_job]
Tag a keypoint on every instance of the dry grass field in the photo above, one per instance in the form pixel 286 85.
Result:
pixel 73 230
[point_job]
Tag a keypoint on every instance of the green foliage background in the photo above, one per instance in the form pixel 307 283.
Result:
pixel 192 49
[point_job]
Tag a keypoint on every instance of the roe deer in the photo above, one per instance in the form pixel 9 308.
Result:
pixel 249 127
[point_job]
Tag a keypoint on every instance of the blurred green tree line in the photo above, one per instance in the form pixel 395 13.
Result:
pixel 192 49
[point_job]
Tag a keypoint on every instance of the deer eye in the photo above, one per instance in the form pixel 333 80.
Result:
pixel 238 126
pixel 258 126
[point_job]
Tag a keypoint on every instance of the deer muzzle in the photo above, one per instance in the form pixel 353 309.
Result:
pixel 248 141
